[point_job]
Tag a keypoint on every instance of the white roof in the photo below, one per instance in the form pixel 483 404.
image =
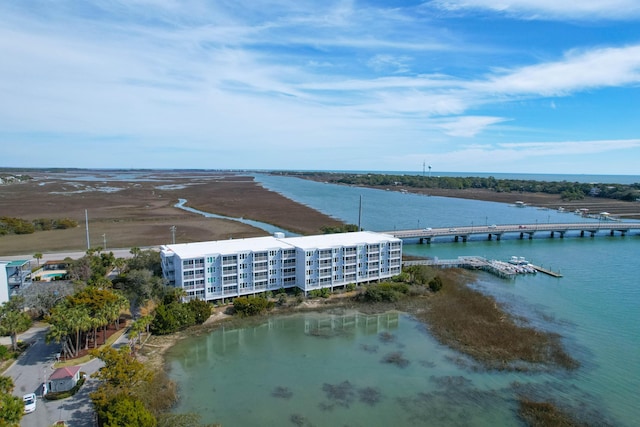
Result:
pixel 255 244
pixel 340 239
pixel 200 249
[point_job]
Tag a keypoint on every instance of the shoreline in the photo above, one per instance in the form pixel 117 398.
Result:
pixel 428 309
pixel 617 208
pixel 545 353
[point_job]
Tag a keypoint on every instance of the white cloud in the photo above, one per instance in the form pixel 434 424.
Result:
pixel 550 9
pixel 215 76
pixel 602 67
pixel 467 126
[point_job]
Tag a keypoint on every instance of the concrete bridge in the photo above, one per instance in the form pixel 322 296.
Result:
pixel 426 235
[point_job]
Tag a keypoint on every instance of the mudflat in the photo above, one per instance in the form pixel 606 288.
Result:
pixel 138 209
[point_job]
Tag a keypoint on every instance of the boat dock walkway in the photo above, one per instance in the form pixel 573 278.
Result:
pixel 505 270
pixel 545 271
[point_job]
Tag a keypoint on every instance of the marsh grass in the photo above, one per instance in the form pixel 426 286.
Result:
pixel 342 394
pixel 476 325
pixel 282 392
pixel 540 414
pixel 370 395
pixel 396 358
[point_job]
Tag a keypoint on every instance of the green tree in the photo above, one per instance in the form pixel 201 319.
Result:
pixel 164 321
pixel 125 410
pixel 142 285
pixel 11 407
pixel 201 310
pixel 13 320
pixel 38 257
pixel 121 373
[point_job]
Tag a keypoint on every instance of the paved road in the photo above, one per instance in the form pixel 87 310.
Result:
pixel 28 374
pixel 55 256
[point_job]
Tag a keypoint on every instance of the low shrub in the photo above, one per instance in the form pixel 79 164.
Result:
pixel 435 284
pixel 320 293
pixel 251 306
pixel 385 292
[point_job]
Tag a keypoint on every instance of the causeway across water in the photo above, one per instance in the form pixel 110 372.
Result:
pixel 425 235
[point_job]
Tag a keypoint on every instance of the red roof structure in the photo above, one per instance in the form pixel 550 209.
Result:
pixel 61 373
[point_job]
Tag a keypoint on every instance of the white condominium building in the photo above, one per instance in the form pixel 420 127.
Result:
pixel 230 268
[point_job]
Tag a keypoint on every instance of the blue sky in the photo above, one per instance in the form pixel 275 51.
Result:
pixel 535 86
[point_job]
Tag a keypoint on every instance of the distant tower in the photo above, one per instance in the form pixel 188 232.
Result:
pixel 423 165
pixel 429 171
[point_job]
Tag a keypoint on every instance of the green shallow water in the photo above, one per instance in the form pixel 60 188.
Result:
pixel 329 369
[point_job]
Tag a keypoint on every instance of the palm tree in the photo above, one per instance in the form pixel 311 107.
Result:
pixel 38 257
pixel 13 320
pixel 79 321
pixel 59 333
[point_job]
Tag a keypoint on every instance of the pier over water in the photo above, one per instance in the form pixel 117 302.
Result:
pixel 462 233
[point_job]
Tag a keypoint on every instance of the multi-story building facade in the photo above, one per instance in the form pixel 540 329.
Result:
pixel 230 268
pixel 14 276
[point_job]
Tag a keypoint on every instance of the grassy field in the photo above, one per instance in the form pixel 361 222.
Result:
pixel 141 212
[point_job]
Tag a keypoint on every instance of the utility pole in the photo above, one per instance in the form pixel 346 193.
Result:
pixel 360 215
pixel 104 241
pixel 173 234
pixel 86 223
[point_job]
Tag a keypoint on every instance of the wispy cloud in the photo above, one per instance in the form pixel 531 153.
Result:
pixel 578 70
pixel 214 76
pixel 549 9
pixel 467 126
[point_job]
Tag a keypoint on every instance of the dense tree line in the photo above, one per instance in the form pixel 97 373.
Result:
pixel 173 315
pixel 79 311
pixel 346 228
pixel 78 318
pixel 10 225
pixel 568 190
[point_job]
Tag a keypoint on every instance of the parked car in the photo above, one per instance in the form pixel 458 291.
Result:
pixel 29 402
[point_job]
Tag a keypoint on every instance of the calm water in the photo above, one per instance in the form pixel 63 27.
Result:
pixel 328 369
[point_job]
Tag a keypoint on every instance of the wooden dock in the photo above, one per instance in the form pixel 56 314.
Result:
pixel 501 269
pixel 545 271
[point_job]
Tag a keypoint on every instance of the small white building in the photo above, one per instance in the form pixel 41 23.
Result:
pixel 230 268
pixel 64 379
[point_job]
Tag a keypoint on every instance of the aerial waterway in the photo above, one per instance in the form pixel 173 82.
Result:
pixel 270 228
pixel 594 308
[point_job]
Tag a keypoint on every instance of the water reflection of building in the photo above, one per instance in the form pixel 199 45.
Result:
pixel 227 269
pixel 14 276
pixel 322 325
pixel 366 323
